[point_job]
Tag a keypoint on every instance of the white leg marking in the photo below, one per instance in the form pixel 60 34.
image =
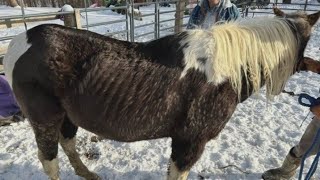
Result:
pixel 17 47
pixel 175 174
pixel 69 147
pixel 51 168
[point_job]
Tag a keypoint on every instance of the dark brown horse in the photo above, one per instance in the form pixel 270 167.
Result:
pixel 309 64
pixel 184 86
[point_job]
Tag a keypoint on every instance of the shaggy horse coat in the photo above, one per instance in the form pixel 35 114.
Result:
pixel 184 86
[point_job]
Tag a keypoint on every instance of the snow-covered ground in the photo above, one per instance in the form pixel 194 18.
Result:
pixel 257 137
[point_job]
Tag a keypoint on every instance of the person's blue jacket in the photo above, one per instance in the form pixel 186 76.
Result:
pixel 203 16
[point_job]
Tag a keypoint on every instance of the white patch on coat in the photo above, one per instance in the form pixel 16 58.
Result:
pixel 51 168
pixel 201 44
pixel 17 47
pixel 69 147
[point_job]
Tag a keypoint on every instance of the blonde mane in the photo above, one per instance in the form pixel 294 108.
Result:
pixel 260 49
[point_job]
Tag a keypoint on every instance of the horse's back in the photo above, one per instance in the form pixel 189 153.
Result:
pixel 49 54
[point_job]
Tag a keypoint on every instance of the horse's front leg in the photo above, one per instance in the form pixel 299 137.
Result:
pixel 185 154
pixel 68 143
pixel 207 116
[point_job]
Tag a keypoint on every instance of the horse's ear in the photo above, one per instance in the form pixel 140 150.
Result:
pixel 313 18
pixel 278 12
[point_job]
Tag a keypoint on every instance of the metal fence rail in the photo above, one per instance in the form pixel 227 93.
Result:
pixel 286 7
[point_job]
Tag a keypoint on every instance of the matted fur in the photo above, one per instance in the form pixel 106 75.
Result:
pixel 247 47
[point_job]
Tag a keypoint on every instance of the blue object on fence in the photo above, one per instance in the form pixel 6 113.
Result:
pixel 315 161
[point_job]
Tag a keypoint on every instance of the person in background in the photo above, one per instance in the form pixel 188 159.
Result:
pixel 294 157
pixel 208 12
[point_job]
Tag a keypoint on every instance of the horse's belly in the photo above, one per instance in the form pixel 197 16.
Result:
pixel 125 105
pixel 121 122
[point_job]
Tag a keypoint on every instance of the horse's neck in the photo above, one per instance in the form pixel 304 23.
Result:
pixel 166 51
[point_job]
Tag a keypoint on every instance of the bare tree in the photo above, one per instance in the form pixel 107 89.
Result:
pixel 180 7
pixel 12 3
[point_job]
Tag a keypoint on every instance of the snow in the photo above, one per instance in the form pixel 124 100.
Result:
pixel 257 137
pixel 67 7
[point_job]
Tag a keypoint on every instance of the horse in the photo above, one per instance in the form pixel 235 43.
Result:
pixel 184 86
pixel 309 64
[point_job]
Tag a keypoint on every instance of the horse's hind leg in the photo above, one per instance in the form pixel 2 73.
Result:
pixel 47 141
pixel 45 116
pixel 185 154
pixel 68 143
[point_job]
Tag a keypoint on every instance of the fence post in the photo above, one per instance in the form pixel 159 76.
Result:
pixel 127 20
pixel 131 21
pixel 179 15
pixel 158 25
pixel 8 23
pixel 305 5
pixel 85 8
pixel 69 19
pixel 77 18
pixel 247 12
pixel 23 14
pixel 156 20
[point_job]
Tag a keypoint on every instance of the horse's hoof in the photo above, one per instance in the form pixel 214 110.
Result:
pixel 94 176
pixel 90 176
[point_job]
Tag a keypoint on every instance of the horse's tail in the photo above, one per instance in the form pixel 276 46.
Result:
pixel 17 47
